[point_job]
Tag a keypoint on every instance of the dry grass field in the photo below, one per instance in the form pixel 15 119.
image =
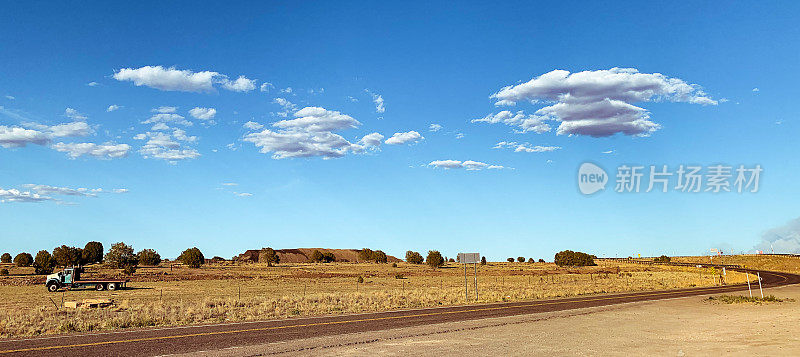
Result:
pixel 163 296
pixel 787 264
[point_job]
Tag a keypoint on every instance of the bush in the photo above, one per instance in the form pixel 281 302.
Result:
pixel 44 263
pixel 149 257
pixel 121 255
pixel 65 256
pixel 218 259
pixel 434 259
pixel 394 265
pixel 521 259
pixel 316 256
pixel 93 253
pixel 510 260
pixel 380 257
pixel 377 256
pixel 5 258
pixel 4 271
pixel 23 260
pixel 575 259
pixel 531 260
pixel 328 257
pixel 541 260
pixel 129 269
pixel 269 256
pixel 192 258
pixel 360 279
pixel 483 260
pixel 414 257
pixel 662 259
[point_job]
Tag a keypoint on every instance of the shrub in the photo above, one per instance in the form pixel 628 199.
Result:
pixel 394 265
pixel 44 263
pixel 129 269
pixel 360 279
pixel 434 259
pixel 531 260
pixel 269 256
pixel 377 256
pixel 510 260
pixel 23 260
pixel 483 260
pixel 380 257
pixel 5 258
pixel 4 271
pixel 65 256
pixel 662 259
pixel 121 255
pixel 93 253
pixel 451 260
pixel 414 257
pixel 570 258
pixel 521 259
pixel 192 257
pixel 328 257
pixel 218 259
pixel 149 257
pixel 541 260
pixel 316 256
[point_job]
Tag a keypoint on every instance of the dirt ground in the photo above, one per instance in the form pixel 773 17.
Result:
pixel 677 327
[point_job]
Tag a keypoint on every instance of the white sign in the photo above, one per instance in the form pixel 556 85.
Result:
pixel 469 258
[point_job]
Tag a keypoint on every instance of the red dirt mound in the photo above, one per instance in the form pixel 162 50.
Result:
pixel 302 255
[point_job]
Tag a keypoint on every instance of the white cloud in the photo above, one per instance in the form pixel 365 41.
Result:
pixel 120 190
pixel 162 146
pixel 286 90
pixel 172 79
pixel 435 127
pixel 526 123
pixel 372 140
pixel 164 109
pixel 252 125
pixel 180 134
pixel 10 97
pixel 265 87
pixel 756 89
pixel 74 114
pixel 459 135
pixel 402 138
pixel 598 103
pixel 102 151
pixel 14 195
pixel 112 108
pixel 469 165
pixel 241 84
pixel 525 147
pixel 607 152
pixel 160 126
pixel 92 84
pixel 352 99
pixel 288 107
pixel 16 137
pixel 380 107
pixel 243 194
pixel 309 134
pixel 168 118
pixel 230 184
pixel 73 129
pixel 203 113
pixel 65 191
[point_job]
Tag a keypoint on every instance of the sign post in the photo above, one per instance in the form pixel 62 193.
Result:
pixel 470 258
pixel 759 286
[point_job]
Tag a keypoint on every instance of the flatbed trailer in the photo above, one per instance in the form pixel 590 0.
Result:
pixel 70 279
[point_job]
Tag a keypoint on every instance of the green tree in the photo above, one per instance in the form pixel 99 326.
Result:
pixel 531 260
pixel 366 254
pixel 414 257
pixel 483 260
pixel 121 255
pixel 44 263
pixel 576 259
pixel 23 260
pixel 328 257
pixel 192 257
pixel 541 260
pixel 521 259
pixel 93 253
pixel 380 257
pixel 316 256
pixel 65 256
pixel 5 258
pixel 662 259
pixel 510 260
pixel 269 256
pixel 434 259
pixel 149 257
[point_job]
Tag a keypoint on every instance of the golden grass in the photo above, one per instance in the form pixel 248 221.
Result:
pixel 762 262
pixel 255 292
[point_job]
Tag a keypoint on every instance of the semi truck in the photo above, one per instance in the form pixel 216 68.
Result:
pixel 70 278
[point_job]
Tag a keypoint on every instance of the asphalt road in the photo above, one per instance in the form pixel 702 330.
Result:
pixel 160 341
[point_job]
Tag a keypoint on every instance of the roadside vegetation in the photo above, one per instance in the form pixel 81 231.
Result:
pixel 741 299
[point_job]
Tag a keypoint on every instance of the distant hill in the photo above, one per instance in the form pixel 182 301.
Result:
pixel 302 255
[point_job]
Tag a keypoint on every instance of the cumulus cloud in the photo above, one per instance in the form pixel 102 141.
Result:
pixel 599 103
pixel 172 79
pixel 402 138
pixel 756 90
pixel 74 114
pixel 16 137
pixel 251 125
pixel 66 191
pixel 265 87
pixel 112 108
pixel 162 146
pixel 372 140
pixel 469 165
pixel 164 109
pixel 14 195
pixel 435 127
pixel 203 113
pixel 783 239
pixel 526 123
pixel 106 151
pixel 525 147
pixel 309 134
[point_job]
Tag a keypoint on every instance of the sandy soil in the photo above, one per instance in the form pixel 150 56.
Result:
pixel 678 327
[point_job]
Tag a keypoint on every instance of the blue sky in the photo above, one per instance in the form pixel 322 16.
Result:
pixel 435 63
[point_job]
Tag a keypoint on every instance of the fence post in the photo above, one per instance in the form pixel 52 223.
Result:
pixel 748 283
pixel 759 286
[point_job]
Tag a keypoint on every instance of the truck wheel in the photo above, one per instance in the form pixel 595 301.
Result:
pixel 52 287
pixel 99 287
pixel 112 286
